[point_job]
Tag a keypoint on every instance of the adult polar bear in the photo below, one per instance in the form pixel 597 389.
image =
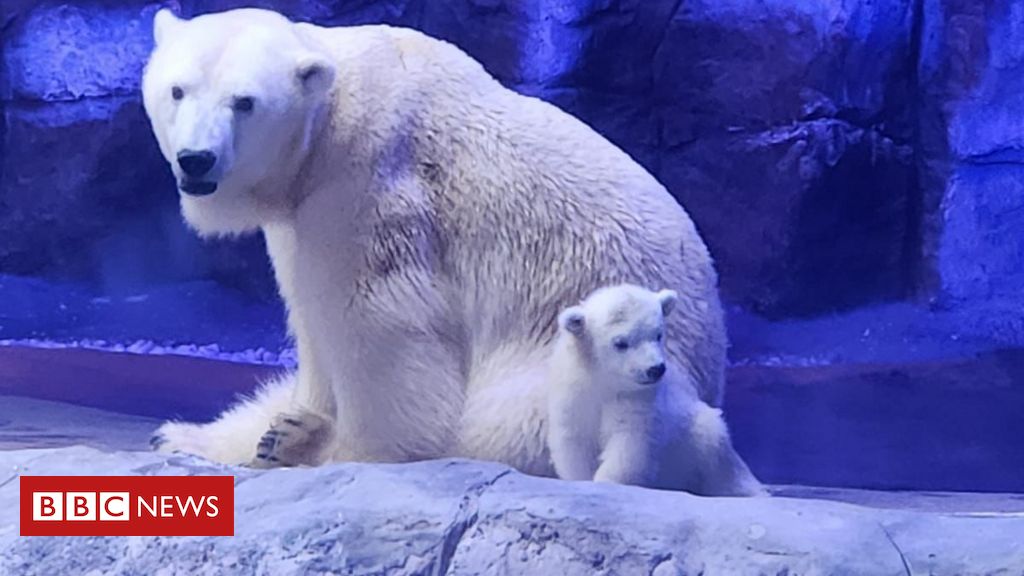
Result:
pixel 426 226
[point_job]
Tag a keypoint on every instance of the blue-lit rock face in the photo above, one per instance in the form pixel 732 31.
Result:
pixel 74 150
pixel 972 139
pixel 783 128
pixel 832 153
pixel 788 127
pixel 74 147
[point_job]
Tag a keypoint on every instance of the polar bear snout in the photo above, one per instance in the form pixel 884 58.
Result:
pixel 195 164
pixel 654 373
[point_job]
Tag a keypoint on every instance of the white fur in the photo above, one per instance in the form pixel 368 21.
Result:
pixel 231 438
pixel 426 226
pixel 609 421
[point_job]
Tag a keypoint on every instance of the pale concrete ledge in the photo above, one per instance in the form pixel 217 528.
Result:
pixel 461 517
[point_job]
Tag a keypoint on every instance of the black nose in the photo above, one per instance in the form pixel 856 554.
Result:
pixel 196 163
pixel 656 372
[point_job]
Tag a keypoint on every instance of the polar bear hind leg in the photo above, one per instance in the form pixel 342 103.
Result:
pixel 722 471
pixel 505 417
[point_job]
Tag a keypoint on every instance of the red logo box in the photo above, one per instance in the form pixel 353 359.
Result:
pixel 127 505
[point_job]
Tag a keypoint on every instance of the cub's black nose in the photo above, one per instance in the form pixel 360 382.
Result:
pixel 656 372
pixel 196 163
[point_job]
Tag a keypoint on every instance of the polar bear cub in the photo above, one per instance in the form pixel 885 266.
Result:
pixel 618 412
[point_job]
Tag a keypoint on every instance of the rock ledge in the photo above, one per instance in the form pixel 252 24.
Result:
pixel 463 517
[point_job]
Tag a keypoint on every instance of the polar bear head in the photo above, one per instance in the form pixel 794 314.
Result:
pixel 620 332
pixel 234 99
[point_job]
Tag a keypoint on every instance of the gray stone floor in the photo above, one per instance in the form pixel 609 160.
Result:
pixel 464 517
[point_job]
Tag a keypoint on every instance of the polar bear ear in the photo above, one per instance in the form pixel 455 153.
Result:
pixel 315 74
pixel 572 320
pixel 667 299
pixel 163 24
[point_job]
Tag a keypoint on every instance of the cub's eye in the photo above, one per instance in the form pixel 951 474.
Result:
pixel 243 104
pixel 177 93
pixel 620 344
pixel 660 336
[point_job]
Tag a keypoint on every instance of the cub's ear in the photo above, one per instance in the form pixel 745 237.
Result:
pixel 314 73
pixel 572 321
pixel 164 24
pixel 667 299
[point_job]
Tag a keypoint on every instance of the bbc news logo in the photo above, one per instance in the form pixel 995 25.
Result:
pixel 127 505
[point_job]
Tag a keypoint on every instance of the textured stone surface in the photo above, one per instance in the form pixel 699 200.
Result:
pixel 73 170
pixel 76 156
pixel 801 219
pixel 782 126
pixel 59 51
pixel 972 137
pixel 833 153
pixel 804 98
pixel 460 517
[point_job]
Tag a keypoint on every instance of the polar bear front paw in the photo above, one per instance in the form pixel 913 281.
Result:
pixel 293 440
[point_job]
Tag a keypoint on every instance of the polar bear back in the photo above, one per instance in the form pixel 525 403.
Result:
pixel 533 209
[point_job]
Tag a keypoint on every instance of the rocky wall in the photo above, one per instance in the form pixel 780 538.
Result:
pixel 833 153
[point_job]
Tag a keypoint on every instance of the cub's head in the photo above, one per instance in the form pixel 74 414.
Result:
pixel 621 332
pixel 234 99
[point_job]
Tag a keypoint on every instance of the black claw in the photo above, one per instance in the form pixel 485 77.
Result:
pixel 267 444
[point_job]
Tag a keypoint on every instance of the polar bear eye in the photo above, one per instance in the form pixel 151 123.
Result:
pixel 177 93
pixel 620 344
pixel 243 104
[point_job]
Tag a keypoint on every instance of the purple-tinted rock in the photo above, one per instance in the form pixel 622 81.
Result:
pixel 972 140
pixel 495 33
pixel 803 218
pixel 782 126
pixel 76 158
pixel 70 170
pixel 67 52
pixel 463 518
pixel 754 64
pixel 787 128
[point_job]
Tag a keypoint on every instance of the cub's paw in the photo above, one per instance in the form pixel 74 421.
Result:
pixel 293 440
